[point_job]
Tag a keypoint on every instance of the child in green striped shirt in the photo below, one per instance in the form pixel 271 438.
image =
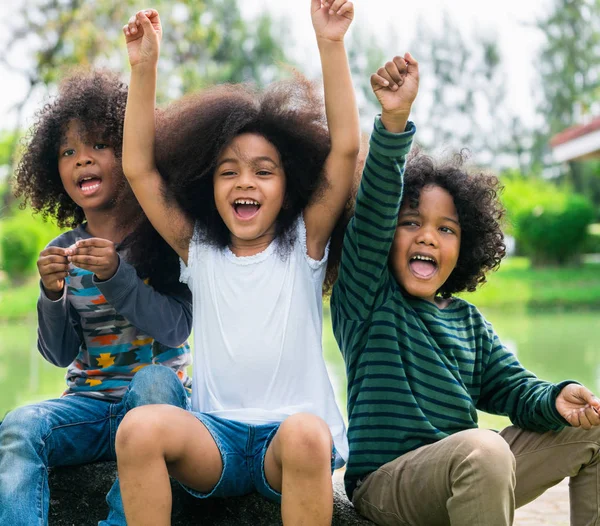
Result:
pixel 421 362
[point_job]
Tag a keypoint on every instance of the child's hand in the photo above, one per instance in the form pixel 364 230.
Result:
pixel 96 255
pixel 53 267
pixel 331 18
pixel 578 406
pixel 396 85
pixel 143 34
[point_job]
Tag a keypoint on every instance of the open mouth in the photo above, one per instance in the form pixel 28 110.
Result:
pixel 423 266
pixel 89 184
pixel 246 208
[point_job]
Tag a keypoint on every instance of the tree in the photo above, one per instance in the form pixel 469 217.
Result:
pixel 205 41
pixel 569 71
pixel 569 62
pixel 462 99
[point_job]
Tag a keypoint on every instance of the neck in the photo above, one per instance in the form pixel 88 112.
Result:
pixel 243 247
pixel 106 224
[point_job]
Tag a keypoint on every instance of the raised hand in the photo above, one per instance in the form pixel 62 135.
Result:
pixel 331 18
pixel 396 86
pixel 578 406
pixel 53 267
pixel 96 255
pixel 143 34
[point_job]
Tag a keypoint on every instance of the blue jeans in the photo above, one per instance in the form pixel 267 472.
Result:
pixel 65 432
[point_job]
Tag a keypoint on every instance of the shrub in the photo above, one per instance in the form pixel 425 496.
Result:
pixel 549 222
pixel 22 238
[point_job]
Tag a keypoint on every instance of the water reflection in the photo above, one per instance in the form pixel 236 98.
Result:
pixel 555 347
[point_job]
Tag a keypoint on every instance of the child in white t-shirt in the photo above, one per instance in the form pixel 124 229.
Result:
pixel 253 186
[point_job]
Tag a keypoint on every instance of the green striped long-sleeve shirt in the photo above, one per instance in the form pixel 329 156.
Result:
pixel 416 373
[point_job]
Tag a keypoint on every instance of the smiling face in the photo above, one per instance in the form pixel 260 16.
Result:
pixel 87 169
pixel 249 189
pixel 426 244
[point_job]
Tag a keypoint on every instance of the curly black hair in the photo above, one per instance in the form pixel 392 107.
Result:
pixel 193 131
pixel 96 100
pixel 476 198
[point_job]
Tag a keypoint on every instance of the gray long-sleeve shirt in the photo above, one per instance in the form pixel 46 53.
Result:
pixel 105 331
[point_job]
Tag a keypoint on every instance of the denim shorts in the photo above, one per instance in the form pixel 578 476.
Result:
pixel 243 448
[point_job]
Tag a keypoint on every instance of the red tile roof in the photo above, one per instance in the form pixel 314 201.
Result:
pixel 575 131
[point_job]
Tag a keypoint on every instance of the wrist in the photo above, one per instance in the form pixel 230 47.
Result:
pixel 326 43
pixel 395 121
pixel 145 67
pixel 53 295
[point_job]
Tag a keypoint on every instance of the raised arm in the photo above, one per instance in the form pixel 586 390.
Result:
pixel 331 20
pixel 143 34
pixel 368 239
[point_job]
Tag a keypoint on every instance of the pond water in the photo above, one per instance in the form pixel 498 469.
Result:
pixel 555 346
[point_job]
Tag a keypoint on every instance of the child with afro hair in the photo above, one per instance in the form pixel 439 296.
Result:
pixel 97 314
pixel 247 188
pixel 421 362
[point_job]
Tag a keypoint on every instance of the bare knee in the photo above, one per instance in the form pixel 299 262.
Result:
pixel 305 441
pixel 140 432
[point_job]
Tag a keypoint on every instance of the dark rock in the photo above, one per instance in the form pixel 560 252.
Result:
pixel 78 499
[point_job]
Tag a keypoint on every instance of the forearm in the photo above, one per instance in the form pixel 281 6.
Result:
pixel 510 389
pixel 58 341
pixel 380 191
pixel 369 236
pixel 340 101
pixel 139 127
pixel 165 318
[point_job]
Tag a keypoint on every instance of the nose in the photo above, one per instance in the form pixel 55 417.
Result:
pixel 245 180
pixel 85 157
pixel 427 236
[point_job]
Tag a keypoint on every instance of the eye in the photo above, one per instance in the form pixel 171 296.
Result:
pixel 228 173
pixel 263 172
pixel 447 230
pixel 100 146
pixel 68 152
pixel 407 222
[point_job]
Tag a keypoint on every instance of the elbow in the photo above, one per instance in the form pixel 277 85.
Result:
pixel 348 150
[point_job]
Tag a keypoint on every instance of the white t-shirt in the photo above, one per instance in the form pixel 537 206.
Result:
pixel 257 335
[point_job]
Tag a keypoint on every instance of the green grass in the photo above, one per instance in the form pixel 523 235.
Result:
pixel 19 301
pixel 517 284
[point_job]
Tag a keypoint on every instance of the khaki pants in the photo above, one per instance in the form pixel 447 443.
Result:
pixel 478 477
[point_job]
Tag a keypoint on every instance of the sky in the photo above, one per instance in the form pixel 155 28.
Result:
pixel 510 20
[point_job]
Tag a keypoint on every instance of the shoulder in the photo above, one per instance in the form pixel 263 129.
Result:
pixel 301 244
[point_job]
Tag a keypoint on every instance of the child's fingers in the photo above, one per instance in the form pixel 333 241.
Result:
pixel 52 251
pixel 339 7
pixel 315 5
pixel 89 251
pixel 397 72
pixel 378 82
pixel 143 21
pixel 93 242
pixel 55 276
pixel 592 416
pixel 384 73
pixel 584 421
pixel 53 266
pixel 412 65
pixel 88 261
pixel 53 258
pixel 346 10
pixel 131 28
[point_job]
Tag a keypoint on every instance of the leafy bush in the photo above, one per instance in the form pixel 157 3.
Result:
pixel 549 222
pixel 22 238
pixel 592 242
